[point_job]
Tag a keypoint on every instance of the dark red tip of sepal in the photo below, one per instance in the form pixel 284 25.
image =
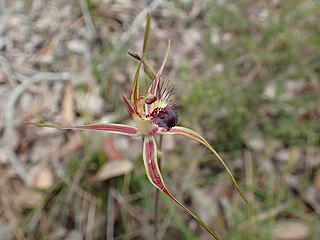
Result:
pixel 135 56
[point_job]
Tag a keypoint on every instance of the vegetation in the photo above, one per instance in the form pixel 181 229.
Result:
pixel 246 76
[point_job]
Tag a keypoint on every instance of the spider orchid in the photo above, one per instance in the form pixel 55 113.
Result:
pixel 153 114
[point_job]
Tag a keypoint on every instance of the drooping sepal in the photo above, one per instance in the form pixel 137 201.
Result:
pixel 197 137
pixel 155 177
pixel 107 128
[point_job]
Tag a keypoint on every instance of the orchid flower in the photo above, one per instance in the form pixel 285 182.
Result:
pixel 153 114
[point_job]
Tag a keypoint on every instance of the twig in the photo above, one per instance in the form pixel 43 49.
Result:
pixel 156 202
pixel 10 110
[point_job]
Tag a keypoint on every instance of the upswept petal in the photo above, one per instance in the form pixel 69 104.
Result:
pixel 155 83
pixel 107 128
pixel 154 176
pixel 177 130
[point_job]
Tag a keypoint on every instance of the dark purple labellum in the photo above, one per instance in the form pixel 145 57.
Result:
pixel 166 118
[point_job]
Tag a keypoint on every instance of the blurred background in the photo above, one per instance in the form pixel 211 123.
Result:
pixel 246 76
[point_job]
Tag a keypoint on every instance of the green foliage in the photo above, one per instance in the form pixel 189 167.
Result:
pixel 230 101
pixel 276 53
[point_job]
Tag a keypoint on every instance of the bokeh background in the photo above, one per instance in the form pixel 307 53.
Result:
pixel 246 76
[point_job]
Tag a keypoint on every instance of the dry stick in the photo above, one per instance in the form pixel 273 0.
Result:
pixel 9 114
pixel 156 202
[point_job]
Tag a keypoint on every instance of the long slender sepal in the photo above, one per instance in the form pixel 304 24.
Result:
pixel 177 130
pixel 154 176
pixel 107 128
pixel 146 34
pixel 148 70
